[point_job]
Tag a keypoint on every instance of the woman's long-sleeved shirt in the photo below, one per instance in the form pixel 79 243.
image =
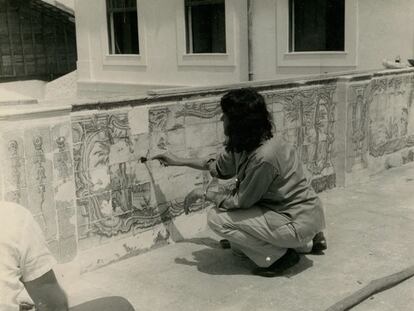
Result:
pixel 272 177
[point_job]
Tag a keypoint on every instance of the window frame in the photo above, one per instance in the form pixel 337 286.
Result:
pixel 189 28
pixel 346 58
pixel 206 59
pixel 111 32
pixel 123 59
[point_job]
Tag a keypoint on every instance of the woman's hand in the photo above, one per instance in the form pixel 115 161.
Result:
pixel 195 195
pixel 167 159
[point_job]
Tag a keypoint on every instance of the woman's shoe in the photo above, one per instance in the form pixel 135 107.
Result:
pixel 319 243
pixel 225 244
pixel 288 260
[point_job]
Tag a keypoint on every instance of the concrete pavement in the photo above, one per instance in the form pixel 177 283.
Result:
pixel 370 231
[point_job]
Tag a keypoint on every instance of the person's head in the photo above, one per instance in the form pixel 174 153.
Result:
pixel 247 123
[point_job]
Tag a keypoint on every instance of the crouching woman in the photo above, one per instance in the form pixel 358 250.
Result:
pixel 273 213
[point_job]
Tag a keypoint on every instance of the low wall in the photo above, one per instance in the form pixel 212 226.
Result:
pixel 78 169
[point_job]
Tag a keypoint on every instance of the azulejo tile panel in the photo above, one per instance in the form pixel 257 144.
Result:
pixel 391 115
pixel 358 122
pixel 307 118
pixel 166 117
pixel 139 195
pixel 40 174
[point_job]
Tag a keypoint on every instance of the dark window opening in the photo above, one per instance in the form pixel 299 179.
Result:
pixel 205 26
pixel 122 26
pixel 317 25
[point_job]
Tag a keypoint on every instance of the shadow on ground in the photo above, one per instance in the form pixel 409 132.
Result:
pixel 217 261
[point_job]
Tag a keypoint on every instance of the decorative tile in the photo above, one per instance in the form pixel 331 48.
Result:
pixel 278 120
pixel 166 118
pixel 178 185
pixel 61 136
pixel 81 184
pixel 206 152
pixel 390 109
pixel 122 201
pixel 176 140
pixel 290 135
pixel 99 180
pixel 142 197
pixel 118 124
pixel 95 154
pixel 82 216
pixel 102 206
pixel 38 171
pixel 13 144
pixel 290 121
pixel 204 111
pixel 14 174
pixel 77 156
pixel 96 125
pixel 158 142
pixel 41 199
pixel 122 175
pixel 37 141
pixel 198 136
pixel 277 107
pixel 65 193
pixel 140 145
pixel 47 221
pixel 78 132
pixel 138 120
pixel 68 249
pixel 121 151
pixel 66 222
pixel 62 166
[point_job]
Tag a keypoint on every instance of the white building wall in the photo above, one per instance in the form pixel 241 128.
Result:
pixel 386 29
pixel 382 29
pixel 379 29
pixel 159 64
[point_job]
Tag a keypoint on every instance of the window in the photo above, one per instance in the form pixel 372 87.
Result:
pixel 205 26
pixel 317 25
pixel 317 33
pixel 122 26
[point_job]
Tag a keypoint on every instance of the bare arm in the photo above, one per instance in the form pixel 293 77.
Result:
pixel 46 293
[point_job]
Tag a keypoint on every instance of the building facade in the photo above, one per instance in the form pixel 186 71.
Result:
pixel 176 43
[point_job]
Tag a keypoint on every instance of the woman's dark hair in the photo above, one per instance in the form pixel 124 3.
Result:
pixel 249 121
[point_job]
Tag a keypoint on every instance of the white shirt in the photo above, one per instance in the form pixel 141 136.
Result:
pixel 23 252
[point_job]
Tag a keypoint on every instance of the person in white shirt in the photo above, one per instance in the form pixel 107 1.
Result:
pixel 25 260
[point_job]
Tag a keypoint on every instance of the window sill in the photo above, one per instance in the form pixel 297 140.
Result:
pixel 206 59
pixel 318 53
pixel 123 60
pixel 317 59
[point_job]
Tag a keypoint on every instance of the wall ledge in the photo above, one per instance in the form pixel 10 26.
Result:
pixel 25 112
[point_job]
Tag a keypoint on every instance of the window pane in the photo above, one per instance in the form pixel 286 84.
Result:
pixel 317 25
pixel 205 26
pixel 123 27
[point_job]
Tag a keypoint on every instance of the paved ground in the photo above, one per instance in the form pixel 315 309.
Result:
pixel 370 235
